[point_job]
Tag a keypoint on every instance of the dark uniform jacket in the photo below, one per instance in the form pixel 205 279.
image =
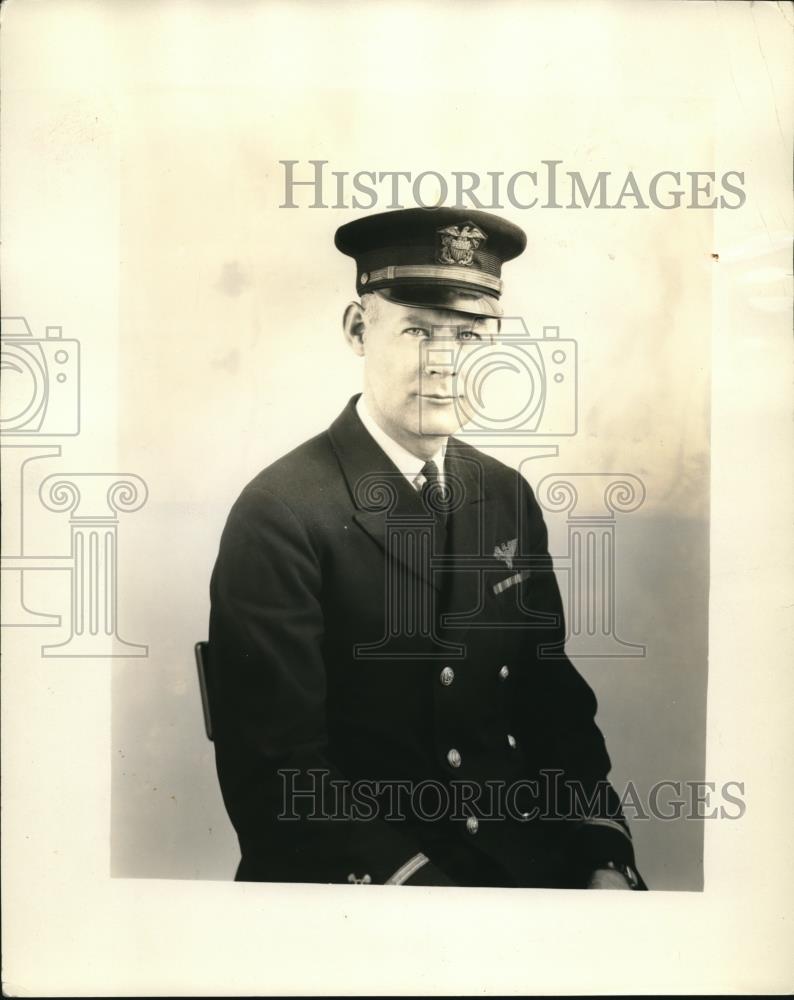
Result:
pixel 406 675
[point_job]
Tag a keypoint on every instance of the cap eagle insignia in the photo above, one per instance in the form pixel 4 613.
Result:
pixel 458 243
pixel 506 551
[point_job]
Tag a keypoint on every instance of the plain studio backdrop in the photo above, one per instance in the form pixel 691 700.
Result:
pixel 231 353
pixel 141 192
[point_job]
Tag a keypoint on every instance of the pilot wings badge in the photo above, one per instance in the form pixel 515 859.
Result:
pixel 506 551
pixel 458 243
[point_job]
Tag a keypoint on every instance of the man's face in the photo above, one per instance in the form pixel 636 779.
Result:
pixel 412 357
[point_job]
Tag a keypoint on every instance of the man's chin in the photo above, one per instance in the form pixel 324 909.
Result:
pixel 440 424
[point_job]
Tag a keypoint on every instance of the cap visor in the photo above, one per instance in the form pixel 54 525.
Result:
pixel 443 297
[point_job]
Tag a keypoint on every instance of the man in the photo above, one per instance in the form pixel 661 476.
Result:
pixel 391 698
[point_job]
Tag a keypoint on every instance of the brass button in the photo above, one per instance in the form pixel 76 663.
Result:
pixel 472 824
pixel 447 676
pixel 511 741
pixel 454 758
pixel 504 672
pixel 364 278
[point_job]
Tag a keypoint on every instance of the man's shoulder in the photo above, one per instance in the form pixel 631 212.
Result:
pixel 494 473
pixel 305 472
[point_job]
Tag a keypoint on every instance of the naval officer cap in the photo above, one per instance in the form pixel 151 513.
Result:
pixel 446 258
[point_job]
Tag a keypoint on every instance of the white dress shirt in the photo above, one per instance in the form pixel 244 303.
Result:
pixel 406 462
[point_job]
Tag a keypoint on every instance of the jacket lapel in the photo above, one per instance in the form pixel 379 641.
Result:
pixel 465 533
pixel 386 506
pixel 390 511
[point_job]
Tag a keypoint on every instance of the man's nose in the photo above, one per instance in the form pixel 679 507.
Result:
pixel 441 354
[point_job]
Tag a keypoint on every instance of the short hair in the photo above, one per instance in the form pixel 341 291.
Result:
pixel 371 305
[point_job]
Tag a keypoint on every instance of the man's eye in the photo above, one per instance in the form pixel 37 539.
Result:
pixel 468 335
pixel 416 331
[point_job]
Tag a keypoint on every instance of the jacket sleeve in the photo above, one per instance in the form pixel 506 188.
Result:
pixel 268 692
pixel 555 714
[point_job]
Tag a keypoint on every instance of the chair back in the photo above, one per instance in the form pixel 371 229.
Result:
pixel 202 650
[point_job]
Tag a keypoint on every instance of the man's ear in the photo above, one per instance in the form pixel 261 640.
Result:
pixel 354 326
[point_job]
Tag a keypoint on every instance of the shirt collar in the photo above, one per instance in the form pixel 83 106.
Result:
pixel 406 462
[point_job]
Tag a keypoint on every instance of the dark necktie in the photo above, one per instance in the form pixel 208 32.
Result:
pixel 432 490
pixel 434 501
